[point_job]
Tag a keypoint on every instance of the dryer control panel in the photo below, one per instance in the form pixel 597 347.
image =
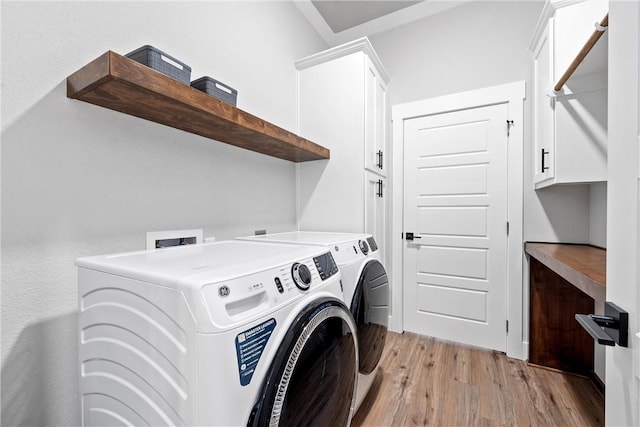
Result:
pixel 372 244
pixel 353 250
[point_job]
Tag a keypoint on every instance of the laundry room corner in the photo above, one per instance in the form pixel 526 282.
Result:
pixel 426 209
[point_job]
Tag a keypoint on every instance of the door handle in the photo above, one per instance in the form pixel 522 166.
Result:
pixel 411 236
pixel 610 329
pixel 589 323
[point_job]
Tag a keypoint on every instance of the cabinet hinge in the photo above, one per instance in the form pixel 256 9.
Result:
pixel 509 126
pixel 507 228
pixel 507 326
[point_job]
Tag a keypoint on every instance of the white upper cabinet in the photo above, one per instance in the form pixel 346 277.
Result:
pixel 342 104
pixel 375 118
pixel 570 125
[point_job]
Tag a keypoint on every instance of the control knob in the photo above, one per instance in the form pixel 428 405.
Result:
pixel 301 276
pixel 363 247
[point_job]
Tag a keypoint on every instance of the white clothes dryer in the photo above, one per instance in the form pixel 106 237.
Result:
pixel 365 288
pixel 227 333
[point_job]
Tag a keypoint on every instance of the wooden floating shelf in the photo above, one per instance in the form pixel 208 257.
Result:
pixel 121 84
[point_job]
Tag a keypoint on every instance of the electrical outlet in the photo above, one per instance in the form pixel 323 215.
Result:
pixel 163 239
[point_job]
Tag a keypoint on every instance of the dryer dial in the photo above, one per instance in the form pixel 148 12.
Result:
pixel 301 276
pixel 363 247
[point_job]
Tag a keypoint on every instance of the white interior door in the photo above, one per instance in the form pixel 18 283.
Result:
pixel 455 203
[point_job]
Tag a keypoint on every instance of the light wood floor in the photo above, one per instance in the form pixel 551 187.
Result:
pixel 427 382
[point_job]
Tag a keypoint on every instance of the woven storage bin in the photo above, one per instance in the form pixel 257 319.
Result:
pixel 216 89
pixel 160 61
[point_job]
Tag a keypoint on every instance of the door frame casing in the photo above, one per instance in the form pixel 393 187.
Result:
pixel 622 378
pixel 512 94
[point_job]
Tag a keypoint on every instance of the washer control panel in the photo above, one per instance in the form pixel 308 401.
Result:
pixel 230 301
pixel 301 276
pixel 326 265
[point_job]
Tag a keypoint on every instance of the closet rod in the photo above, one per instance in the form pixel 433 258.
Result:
pixel 583 52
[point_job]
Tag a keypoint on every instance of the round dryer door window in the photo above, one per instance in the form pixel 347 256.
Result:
pixel 312 380
pixel 370 309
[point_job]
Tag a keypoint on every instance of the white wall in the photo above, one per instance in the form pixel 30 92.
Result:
pixel 598 214
pixel 472 46
pixel 81 180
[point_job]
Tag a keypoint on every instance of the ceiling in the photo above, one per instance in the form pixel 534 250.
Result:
pixel 342 15
pixel 340 21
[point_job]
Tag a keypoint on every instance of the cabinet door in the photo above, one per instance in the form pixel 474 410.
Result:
pixel 375 206
pixel 331 98
pixel 376 119
pixel 543 167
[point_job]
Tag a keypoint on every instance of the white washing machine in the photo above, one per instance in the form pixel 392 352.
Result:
pixel 366 290
pixel 227 333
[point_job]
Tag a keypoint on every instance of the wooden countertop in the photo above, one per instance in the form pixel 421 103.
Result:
pixel 583 266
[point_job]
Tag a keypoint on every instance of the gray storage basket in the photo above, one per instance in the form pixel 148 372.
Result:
pixel 160 61
pixel 216 89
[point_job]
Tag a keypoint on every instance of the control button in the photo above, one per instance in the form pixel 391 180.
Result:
pixel 301 276
pixel 363 247
pixel 279 285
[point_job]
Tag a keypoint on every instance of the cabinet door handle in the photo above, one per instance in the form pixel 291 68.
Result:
pixel 379 192
pixel 544 168
pixel 379 154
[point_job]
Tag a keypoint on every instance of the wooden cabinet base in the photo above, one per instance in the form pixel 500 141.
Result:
pixel 556 340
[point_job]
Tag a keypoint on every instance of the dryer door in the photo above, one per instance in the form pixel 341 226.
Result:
pixel 312 380
pixel 370 309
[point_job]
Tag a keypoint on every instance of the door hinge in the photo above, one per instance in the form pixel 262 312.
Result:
pixel 507 228
pixel 507 326
pixel 509 126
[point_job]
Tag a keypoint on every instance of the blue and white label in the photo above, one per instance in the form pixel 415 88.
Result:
pixel 249 347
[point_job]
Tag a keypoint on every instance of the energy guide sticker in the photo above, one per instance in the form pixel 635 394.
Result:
pixel 249 347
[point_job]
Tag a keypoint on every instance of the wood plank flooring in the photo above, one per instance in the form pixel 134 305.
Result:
pixel 427 382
